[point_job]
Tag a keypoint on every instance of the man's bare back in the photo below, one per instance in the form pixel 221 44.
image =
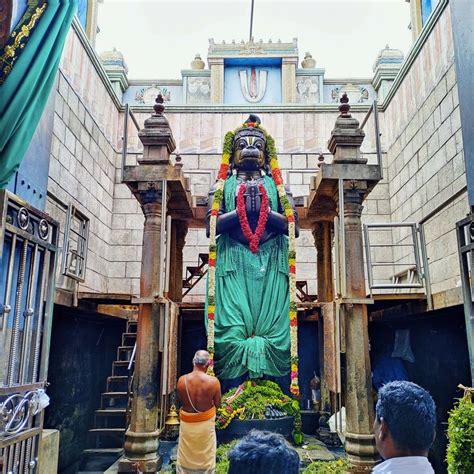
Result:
pixel 204 391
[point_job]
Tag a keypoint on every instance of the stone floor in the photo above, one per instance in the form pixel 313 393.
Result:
pixel 312 450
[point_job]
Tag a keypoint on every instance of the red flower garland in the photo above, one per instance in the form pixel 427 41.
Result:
pixel 253 238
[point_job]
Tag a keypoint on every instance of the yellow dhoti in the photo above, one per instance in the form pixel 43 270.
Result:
pixel 197 443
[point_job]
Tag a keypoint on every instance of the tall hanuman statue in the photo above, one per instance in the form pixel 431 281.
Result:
pixel 252 225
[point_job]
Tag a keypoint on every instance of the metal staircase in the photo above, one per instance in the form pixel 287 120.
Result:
pixel 302 292
pixel 195 274
pixel 110 420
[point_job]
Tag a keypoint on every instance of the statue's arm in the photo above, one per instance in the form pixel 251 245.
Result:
pixel 279 223
pixel 225 220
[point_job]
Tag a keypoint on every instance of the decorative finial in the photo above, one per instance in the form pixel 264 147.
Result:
pixel 344 107
pixel 159 107
pixel 197 63
pixel 320 159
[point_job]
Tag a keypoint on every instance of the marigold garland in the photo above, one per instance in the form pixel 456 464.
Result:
pixel 288 211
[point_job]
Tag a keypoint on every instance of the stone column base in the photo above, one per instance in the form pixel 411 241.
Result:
pixel 361 450
pixel 147 466
pixel 141 452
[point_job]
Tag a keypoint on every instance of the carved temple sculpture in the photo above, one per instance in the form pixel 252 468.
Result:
pixel 252 225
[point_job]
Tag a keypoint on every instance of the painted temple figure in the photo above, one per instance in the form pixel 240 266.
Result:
pixel 256 224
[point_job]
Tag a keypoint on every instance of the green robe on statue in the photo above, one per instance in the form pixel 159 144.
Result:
pixel 252 301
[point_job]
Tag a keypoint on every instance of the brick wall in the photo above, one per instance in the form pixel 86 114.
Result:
pixel 425 154
pixel 82 172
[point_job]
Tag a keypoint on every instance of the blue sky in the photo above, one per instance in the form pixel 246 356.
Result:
pixel 159 38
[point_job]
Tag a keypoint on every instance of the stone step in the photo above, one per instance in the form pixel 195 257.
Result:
pixel 124 352
pixel 114 400
pixel 107 437
pixel 120 367
pixel 129 338
pixel 117 383
pixel 132 326
pixel 195 271
pixel 110 418
pixel 98 460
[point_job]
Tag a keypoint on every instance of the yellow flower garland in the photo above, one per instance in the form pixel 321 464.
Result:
pixel 288 210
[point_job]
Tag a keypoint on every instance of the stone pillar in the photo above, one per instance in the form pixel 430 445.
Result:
pixel 322 232
pixel 288 80
pixel 146 183
pixel 360 442
pixel 217 80
pixel 179 229
pixel 345 142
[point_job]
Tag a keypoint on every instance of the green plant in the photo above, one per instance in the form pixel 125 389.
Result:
pixel 341 466
pixel 222 460
pixel 249 401
pixel 460 452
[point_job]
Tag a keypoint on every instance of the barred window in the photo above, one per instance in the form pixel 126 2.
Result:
pixel 76 236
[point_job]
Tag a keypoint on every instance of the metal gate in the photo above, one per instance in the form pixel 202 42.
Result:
pixel 28 247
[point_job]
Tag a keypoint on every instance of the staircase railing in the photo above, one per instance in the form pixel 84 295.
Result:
pixel 130 384
pixel 195 273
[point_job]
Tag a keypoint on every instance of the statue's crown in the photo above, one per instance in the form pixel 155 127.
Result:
pixel 251 127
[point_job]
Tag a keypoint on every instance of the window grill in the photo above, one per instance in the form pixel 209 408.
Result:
pixel 76 236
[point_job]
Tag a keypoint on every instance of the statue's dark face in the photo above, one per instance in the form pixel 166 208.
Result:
pixel 249 152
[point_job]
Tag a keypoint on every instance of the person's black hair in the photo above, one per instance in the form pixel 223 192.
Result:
pixel 263 452
pixel 410 414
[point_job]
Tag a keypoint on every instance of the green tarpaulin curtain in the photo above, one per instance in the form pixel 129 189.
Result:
pixel 28 80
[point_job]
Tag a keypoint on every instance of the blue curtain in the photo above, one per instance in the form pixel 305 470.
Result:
pixel 28 66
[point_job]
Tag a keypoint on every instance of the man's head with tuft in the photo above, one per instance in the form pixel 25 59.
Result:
pixel 201 359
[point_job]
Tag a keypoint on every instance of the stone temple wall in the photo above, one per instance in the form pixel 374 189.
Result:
pixel 422 160
pixel 422 127
pixel 297 135
pixel 83 161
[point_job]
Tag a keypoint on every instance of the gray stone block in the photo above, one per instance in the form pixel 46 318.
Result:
pixel 451 77
pixel 299 162
pixel 305 255
pixel 135 221
pixel 455 120
pixel 446 106
pixel 133 269
pixel 59 129
pixel 70 141
pixel 440 91
pixel 126 206
pixel 284 161
pixel 295 178
pixel 459 166
pixel 63 86
pixel 190 162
